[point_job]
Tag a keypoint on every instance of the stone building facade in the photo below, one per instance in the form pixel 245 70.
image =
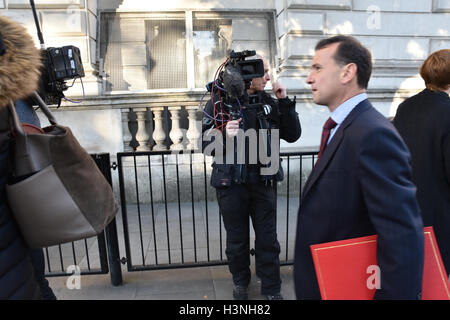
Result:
pixel 147 62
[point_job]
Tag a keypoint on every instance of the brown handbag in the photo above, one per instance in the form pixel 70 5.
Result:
pixel 64 196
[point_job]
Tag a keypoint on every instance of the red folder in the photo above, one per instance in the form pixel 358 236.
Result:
pixel 346 270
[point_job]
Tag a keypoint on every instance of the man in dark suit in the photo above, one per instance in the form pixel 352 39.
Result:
pixel 423 121
pixel 361 184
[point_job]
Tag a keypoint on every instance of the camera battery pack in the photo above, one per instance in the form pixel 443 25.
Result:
pixel 65 63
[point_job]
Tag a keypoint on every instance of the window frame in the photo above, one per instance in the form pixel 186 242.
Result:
pixel 189 15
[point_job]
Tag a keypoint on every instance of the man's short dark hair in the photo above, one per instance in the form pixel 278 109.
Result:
pixel 351 50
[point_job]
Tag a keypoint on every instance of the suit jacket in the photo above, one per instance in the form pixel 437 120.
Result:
pixel 423 121
pixel 362 186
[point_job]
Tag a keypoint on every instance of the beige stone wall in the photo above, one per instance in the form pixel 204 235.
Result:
pixel 400 34
pixel 139 5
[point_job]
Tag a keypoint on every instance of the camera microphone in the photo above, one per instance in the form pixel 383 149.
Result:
pixel 233 82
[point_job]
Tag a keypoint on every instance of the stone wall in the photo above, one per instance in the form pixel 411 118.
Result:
pixel 400 34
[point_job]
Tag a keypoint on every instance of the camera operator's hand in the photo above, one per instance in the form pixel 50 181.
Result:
pixel 233 127
pixel 279 90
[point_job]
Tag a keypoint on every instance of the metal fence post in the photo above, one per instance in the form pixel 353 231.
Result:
pixel 103 162
pixel 113 253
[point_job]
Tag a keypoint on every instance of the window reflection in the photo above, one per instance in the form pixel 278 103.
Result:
pixel 212 39
pixel 166 47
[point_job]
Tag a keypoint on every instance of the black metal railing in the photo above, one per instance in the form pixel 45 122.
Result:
pixel 96 255
pixel 170 215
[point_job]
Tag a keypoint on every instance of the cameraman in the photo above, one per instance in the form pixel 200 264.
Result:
pixel 242 190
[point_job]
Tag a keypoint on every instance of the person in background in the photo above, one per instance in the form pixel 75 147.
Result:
pixel 246 191
pixel 423 121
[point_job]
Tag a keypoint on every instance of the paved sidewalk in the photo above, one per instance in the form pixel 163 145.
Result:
pixel 203 283
pixel 211 283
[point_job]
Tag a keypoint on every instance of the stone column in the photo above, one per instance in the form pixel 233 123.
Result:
pixel 176 134
pixel 142 135
pixel 194 131
pixel 126 134
pixel 159 134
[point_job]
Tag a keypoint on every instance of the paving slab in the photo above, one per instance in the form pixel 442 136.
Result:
pixel 203 283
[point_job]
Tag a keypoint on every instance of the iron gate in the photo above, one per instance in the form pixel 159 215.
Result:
pixel 170 215
pixel 96 255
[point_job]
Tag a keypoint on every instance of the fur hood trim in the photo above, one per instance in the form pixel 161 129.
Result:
pixel 21 64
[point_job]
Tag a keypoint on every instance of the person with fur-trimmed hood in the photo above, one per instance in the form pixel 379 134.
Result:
pixel 20 63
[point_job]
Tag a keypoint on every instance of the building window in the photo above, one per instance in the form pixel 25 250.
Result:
pixel 142 52
pixel 212 39
pixel 166 54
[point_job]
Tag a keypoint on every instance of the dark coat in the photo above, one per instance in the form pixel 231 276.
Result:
pixel 282 116
pixel 19 74
pixel 16 271
pixel 424 123
pixel 362 186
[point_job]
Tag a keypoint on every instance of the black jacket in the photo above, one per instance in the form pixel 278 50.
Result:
pixel 424 123
pixel 282 116
pixel 16 271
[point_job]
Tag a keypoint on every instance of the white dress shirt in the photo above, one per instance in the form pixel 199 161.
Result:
pixel 340 113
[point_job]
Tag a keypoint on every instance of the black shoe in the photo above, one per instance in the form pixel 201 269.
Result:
pixel 276 296
pixel 240 293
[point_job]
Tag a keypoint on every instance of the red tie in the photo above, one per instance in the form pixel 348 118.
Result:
pixel 330 124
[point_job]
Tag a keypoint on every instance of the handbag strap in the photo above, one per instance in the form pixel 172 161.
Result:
pixel 17 125
pixel 45 108
pixel 28 156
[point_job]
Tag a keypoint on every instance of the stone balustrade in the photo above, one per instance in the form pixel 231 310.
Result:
pixel 161 128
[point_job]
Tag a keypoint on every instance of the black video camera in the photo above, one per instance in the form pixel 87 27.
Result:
pixel 235 79
pixel 249 69
pixel 238 73
pixel 231 89
pixel 60 64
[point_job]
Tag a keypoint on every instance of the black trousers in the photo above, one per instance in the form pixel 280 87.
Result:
pixel 258 201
